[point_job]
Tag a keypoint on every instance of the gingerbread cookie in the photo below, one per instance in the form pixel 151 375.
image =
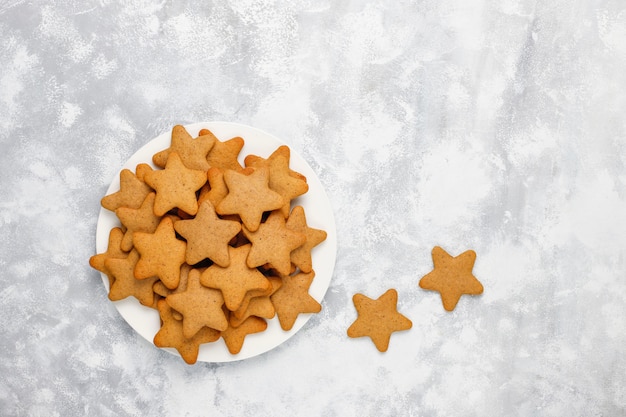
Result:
pixel 171 335
pixel 293 299
pixel 114 250
pixel 175 186
pixel 260 306
pixel 162 254
pixel 249 196
pixel 192 152
pixel 301 256
pixel 200 306
pixel 272 243
pixel 207 236
pixel 234 336
pixel 125 284
pixel 131 194
pixel 378 318
pixel 236 279
pixel 452 277
pixel 282 180
pixel 224 154
pixel 141 219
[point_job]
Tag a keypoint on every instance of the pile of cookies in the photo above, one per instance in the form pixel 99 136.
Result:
pixel 217 247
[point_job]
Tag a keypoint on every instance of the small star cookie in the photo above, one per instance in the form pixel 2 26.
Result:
pixel 175 186
pixel 272 244
pixel 171 335
pixel 249 196
pixel 235 336
pixel 125 283
pixel 281 179
pixel 293 298
pixel 452 277
pixel 200 306
pixel 161 254
pixel 114 250
pixel 378 318
pixel 131 194
pixel 224 154
pixel 192 152
pixel 301 256
pixel 141 219
pixel 236 279
pixel 207 236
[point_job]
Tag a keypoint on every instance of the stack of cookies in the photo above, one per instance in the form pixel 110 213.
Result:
pixel 217 247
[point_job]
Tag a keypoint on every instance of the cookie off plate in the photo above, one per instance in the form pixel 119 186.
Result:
pixel 319 215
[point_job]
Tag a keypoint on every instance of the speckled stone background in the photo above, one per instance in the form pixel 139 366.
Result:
pixel 493 125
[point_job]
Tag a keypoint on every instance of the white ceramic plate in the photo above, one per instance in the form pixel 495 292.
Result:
pixel 319 215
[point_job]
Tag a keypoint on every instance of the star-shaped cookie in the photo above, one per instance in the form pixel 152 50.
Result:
pixel 249 196
pixel 301 256
pixel 236 279
pixel 162 254
pixel 125 283
pixel 171 335
pixel 207 236
pixel 192 152
pixel 224 154
pixel 141 219
pixel 132 192
pixel 272 243
pixel 235 336
pixel 175 186
pixel 378 318
pixel 452 277
pixel 293 299
pixel 281 179
pixel 200 306
pixel 114 250
pixel 260 306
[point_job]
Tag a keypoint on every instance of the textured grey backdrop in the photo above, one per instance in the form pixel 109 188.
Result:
pixel 492 125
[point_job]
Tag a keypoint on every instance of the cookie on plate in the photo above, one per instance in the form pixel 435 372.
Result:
pixel 162 254
pixel 249 196
pixel 171 335
pixel 293 299
pixel 175 186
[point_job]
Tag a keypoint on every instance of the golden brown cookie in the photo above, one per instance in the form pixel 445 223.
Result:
pixel 282 180
pixel 175 186
pixel 160 288
pixel 281 151
pixel 236 279
pixel 125 284
pixel 235 336
pixel 293 299
pixel 272 243
pixel 114 250
pixel 200 306
pixel 207 236
pixel 260 306
pixel 171 335
pixel 224 154
pixel 141 219
pixel 378 318
pixel 162 254
pixel 249 196
pixel 131 194
pixel 141 170
pixel 452 277
pixel 301 256
pixel 192 152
